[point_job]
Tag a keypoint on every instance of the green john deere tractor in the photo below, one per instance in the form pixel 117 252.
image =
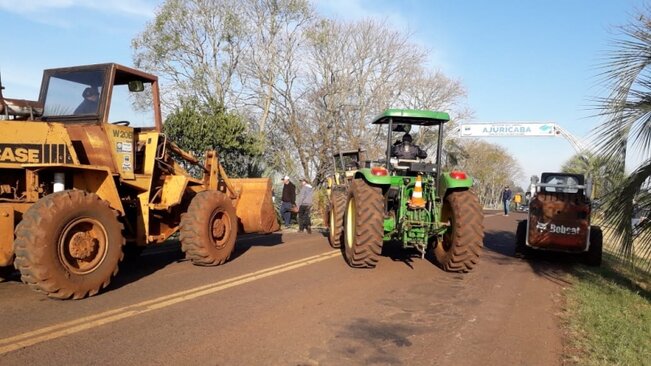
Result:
pixel 408 201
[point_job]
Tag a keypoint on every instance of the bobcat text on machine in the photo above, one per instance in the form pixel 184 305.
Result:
pixel 559 218
pixel 87 172
pixel 405 200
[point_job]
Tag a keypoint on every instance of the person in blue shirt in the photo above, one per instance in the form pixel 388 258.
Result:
pixel 506 199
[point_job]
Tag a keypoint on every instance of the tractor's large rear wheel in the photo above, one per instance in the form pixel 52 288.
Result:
pixel 69 244
pixel 461 245
pixel 363 225
pixel 209 229
pixel 336 217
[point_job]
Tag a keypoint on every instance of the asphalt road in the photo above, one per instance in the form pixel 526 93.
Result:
pixel 290 299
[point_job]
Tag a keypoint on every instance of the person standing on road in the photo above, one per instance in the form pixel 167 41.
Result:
pixel 288 201
pixel 506 199
pixel 517 199
pixel 304 202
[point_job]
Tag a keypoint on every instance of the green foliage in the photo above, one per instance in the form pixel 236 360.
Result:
pixel 597 167
pixel 197 127
pixel 626 112
pixel 609 316
pixel 491 166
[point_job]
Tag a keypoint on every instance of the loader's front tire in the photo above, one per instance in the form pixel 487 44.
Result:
pixel 363 225
pixel 461 245
pixel 209 229
pixel 69 244
pixel 336 217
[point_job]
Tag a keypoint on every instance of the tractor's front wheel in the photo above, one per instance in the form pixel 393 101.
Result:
pixel 336 217
pixel 69 244
pixel 363 225
pixel 461 245
pixel 209 229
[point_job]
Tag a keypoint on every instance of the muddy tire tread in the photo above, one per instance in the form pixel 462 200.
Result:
pixel 194 236
pixel 337 207
pixel 468 233
pixel 34 258
pixel 369 233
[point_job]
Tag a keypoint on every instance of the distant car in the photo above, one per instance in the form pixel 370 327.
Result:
pixel 640 217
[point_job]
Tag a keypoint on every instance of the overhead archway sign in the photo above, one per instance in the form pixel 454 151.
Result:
pixel 508 129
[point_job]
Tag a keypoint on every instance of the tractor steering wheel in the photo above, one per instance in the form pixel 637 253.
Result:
pixel 121 123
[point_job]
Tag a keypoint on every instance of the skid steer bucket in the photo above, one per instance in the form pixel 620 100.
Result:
pixel 254 208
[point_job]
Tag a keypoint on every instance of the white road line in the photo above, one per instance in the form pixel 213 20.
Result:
pixel 75 326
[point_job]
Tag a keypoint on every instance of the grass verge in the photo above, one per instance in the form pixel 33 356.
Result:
pixel 608 315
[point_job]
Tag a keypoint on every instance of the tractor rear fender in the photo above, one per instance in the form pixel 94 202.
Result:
pixel 454 181
pixel 378 177
pixel 95 179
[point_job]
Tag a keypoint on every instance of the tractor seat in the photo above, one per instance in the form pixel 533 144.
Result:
pixel 402 164
pixel 413 165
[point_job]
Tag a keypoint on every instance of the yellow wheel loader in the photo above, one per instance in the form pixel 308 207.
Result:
pixel 87 172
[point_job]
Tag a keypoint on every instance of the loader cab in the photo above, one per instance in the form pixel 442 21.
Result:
pixel 122 96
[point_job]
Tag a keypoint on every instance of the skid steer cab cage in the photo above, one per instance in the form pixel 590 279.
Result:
pixel 398 120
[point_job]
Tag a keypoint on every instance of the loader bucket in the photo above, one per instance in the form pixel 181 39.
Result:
pixel 254 208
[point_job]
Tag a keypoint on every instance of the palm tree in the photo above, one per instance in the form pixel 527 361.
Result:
pixel 627 122
pixel 597 168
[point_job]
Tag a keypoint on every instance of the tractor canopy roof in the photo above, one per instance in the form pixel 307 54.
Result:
pixel 412 117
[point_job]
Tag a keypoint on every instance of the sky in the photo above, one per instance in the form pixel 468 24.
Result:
pixel 519 61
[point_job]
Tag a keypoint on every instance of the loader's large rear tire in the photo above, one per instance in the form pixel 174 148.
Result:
pixel 363 225
pixel 209 229
pixel 336 218
pixel 595 252
pixel 69 244
pixel 461 245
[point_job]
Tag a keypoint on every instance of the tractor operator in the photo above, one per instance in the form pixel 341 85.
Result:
pixel 90 103
pixel 406 150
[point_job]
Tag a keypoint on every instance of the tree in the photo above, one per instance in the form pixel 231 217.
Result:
pixel 195 47
pixel 197 127
pixel 492 167
pixel 354 71
pixel 627 122
pixel 306 86
pixel 218 49
pixel 596 167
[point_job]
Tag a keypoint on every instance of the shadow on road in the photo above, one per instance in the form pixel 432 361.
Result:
pixel 550 265
pixel 394 251
pixel 156 258
pixel 150 261
pixel 246 242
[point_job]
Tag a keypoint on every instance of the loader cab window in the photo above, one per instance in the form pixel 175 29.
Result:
pixel 132 104
pixel 67 91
